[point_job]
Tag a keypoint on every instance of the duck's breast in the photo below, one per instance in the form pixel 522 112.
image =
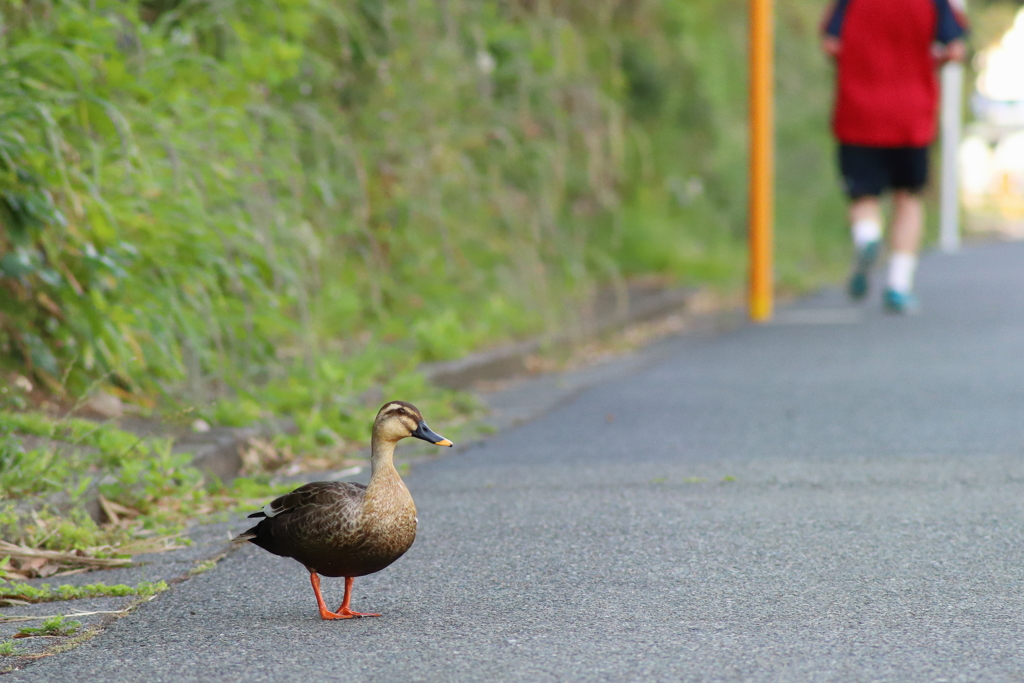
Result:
pixel 382 532
pixel 387 527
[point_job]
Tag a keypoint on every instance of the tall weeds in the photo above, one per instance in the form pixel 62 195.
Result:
pixel 308 196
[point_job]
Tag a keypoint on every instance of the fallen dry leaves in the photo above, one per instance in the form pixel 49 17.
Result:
pixel 116 513
pixel 30 563
pixel 261 456
pixel 24 562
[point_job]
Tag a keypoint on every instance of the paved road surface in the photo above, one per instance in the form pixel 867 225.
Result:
pixel 836 497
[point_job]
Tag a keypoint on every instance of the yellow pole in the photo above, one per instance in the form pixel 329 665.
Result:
pixel 762 160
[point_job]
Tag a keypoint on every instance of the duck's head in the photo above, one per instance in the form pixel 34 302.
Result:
pixel 398 419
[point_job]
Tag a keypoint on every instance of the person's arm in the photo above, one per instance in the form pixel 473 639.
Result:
pixel 954 51
pixel 830 45
pixel 950 31
pixel 832 28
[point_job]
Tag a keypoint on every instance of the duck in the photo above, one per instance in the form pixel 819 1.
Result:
pixel 345 529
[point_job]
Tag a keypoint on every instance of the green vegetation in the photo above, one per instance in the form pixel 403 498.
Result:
pixel 146 491
pixel 54 626
pixel 990 20
pixel 204 566
pixel 83 447
pixel 9 648
pixel 154 489
pixel 270 207
pixel 26 593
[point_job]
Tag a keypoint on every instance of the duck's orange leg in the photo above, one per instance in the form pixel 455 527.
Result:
pixel 344 609
pixel 325 613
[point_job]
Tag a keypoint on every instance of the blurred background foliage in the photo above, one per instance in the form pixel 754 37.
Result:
pixel 990 19
pixel 273 205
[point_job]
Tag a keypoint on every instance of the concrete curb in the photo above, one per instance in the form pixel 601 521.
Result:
pixel 612 311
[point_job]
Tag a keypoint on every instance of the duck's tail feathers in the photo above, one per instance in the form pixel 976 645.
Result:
pixel 245 536
pixel 251 533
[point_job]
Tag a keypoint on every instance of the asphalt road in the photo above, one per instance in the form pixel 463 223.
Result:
pixel 836 497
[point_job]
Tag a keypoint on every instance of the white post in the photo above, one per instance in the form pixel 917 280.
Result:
pixel 949 194
pixel 952 125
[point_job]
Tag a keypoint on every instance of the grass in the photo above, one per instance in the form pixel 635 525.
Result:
pixel 148 494
pixel 24 593
pixel 54 626
pixel 204 566
pixel 73 449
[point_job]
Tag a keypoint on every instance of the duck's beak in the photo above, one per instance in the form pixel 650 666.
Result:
pixel 427 434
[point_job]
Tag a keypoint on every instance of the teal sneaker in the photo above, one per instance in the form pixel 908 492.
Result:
pixel 899 302
pixel 857 287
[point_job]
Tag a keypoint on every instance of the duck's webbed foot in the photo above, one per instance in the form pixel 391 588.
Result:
pixel 349 614
pixel 343 612
pixel 344 609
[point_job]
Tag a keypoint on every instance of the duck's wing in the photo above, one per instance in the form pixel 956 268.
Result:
pixel 309 524
pixel 317 495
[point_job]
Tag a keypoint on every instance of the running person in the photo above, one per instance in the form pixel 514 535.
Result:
pixel 885 118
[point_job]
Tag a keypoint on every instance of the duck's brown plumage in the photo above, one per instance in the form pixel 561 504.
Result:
pixel 347 529
pixel 325 526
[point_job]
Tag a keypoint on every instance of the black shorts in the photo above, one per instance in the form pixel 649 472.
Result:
pixel 870 171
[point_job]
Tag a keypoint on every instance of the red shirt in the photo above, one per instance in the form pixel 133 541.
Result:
pixel 886 85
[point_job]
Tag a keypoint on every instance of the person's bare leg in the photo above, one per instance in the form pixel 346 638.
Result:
pixel 907 222
pixel 905 240
pixel 866 209
pixel 866 231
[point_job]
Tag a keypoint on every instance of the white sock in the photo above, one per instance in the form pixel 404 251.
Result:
pixel 902 265
pixel 865 231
